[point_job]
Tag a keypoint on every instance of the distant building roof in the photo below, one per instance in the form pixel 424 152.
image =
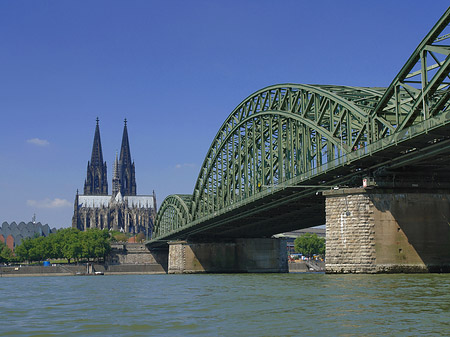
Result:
pixel 46 230
pixel 94 201
pixel 24 230
pixel 98 201
pixel 320 231
pixel 18 239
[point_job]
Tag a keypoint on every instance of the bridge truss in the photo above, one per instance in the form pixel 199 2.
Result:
pixel 285 142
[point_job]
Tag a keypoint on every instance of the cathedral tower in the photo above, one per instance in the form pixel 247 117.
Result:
pixel 123 209
pixel 96 182
pixel 127 178
pixel 116 178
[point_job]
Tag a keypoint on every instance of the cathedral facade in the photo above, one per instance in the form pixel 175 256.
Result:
pixel 123 209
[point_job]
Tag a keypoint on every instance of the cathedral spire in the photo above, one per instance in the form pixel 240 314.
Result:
pixel 96 180
pixel 116 178
pixel 126 167
pixel 97 154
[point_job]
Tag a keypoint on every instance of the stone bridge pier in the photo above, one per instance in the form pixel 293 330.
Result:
pixel 263 255
pixel 387 230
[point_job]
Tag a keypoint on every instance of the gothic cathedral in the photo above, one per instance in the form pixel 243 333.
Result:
pixel 123 210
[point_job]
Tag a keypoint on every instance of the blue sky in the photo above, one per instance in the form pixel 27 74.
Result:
pixel 175 70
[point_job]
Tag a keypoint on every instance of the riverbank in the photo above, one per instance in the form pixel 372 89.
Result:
pixel 301 266
pixel 81 269
pixel 121 269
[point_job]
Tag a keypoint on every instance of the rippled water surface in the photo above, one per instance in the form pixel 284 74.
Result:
pixel 226 305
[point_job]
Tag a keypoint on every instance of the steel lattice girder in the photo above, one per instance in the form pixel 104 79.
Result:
pixel 173 214
pixel 419 90
pixel 285 134
pixel 273 135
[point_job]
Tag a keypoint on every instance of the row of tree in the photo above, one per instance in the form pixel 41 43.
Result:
pixel 310 244
pixel 68 243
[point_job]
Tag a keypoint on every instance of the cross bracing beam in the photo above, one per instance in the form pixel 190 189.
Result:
pixel 296 134
pixel 410 97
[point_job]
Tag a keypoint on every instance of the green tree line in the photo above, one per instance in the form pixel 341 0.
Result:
pixel 309 244
pixel 69 243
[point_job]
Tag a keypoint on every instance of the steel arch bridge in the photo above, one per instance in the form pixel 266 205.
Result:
pixel 285 142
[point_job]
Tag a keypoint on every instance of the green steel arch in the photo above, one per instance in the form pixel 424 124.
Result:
pixel 284 134
pixel 173 214
pixel 274 135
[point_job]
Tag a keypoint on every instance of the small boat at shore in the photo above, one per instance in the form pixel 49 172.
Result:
pixel 89 274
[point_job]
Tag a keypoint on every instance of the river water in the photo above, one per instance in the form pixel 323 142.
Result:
pixel 226 305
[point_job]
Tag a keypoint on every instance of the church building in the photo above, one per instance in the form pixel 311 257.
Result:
pixel 123 209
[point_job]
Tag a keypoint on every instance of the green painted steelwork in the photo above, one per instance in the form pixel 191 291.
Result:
pixel 287 135
pixel 173 214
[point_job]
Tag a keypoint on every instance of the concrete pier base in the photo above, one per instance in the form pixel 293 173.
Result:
pixel 233 256
pixel 135 254
pixel 387 231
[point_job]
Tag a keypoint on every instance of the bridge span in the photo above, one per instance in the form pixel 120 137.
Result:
pixel 283 146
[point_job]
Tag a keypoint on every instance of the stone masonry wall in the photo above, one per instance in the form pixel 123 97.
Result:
pixel 176 261
pixel 387 231
pixel 135 253
pixel 350 234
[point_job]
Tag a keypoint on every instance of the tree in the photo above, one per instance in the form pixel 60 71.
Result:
pixel 68 243
pixel 56 242
pixel 71 247
pixel 87 242
pixel 118 236
pixel 95 243
pixel 140 237
pixel 102 245
pixel 309 244
pixel 6 254
pixel 39 249
pixel 22 251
